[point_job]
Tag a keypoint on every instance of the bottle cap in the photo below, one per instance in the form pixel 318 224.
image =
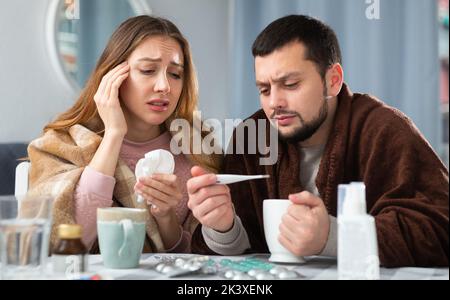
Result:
pixel 69 231
pixel 360 191
pixel 355 200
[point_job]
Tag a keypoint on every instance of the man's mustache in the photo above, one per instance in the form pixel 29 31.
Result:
pixel 281 112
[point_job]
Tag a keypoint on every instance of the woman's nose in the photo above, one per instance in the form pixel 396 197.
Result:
pixel 162 84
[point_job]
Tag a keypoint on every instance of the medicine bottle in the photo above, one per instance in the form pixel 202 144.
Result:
pixel 70 254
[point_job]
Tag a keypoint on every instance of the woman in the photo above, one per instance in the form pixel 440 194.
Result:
pixel 144 79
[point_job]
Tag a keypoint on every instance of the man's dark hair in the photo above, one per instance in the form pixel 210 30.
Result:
pixel 320 41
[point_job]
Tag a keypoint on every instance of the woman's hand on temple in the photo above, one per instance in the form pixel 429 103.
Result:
pixel 107 100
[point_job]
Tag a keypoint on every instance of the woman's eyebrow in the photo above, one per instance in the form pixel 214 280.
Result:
pixel 160 60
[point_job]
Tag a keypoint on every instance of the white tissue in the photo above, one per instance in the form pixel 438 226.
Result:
pixel 157 161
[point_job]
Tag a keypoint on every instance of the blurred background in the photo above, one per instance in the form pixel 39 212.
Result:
pixel 396 50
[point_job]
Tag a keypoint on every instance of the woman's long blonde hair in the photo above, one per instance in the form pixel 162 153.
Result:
pixel 122 43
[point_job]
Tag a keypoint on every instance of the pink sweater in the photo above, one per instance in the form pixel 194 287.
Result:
pixel 95 190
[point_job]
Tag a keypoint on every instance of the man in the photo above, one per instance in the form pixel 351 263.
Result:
pixel 328 136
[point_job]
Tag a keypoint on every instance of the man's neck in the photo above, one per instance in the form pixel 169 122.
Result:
pixel 321 135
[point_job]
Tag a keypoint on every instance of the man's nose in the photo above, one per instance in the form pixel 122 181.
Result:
pixel 277 99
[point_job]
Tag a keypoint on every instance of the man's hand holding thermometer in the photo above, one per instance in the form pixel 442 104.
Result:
pixel 210 199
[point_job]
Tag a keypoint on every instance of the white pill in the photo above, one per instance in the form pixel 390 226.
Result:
pixel 277 270
pixel 194 267
pixel 254 272
pixel 160 267
pixel 287 275
pixel 264 276
pixel 179 262
pixel 229 274
pixel 241 276
pixel 167 269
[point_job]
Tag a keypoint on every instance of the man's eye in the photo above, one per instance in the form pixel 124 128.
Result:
pixel 291 85
pixel 147 72
pixel 263 91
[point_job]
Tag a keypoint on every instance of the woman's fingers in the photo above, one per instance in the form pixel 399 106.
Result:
pixel 169 179
pixel 158 203
pixel 166 184
pixel 107 99
pixel 102 87
pixel 116 85
pixel 111 81
pixel 152 192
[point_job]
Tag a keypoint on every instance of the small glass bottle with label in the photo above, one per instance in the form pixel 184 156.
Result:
pixel 70 254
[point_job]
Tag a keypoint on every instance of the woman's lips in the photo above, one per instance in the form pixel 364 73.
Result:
pixel 158 105
pixel 157 108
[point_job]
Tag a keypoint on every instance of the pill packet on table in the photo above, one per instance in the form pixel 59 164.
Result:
pixel 255 269
pixel 178 267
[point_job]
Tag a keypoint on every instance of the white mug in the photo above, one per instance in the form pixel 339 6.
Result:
pixel 273 211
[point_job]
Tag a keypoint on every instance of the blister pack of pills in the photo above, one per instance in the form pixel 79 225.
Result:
pixel 253 268
pixel 242 269
pixel 177 267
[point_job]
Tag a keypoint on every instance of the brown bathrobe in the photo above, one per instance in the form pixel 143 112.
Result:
pixel 406 182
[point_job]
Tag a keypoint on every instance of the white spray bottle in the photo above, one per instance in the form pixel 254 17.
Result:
pixel 357 237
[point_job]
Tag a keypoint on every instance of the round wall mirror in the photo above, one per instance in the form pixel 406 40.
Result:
pixel 78 30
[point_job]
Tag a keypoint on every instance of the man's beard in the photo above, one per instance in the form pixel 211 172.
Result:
pixel 306 129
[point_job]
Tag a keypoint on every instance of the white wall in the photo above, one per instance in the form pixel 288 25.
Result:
pixel 205 25
pixel 31 93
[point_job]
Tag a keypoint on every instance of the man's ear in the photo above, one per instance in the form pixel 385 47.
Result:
pixel 334 79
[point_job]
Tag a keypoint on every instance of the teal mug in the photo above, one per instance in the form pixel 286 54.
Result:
pixel 121 235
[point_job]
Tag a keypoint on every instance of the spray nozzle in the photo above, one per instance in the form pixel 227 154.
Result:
pixel 355 199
